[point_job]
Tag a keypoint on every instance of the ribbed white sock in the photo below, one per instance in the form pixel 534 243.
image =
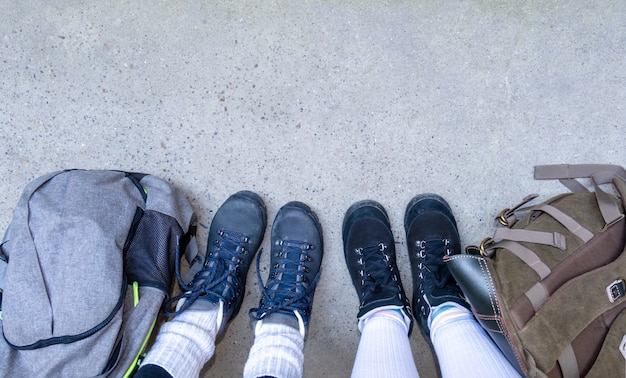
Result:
pixel 384 348
pixel 186 342
pixel 463 347
pixel 277 351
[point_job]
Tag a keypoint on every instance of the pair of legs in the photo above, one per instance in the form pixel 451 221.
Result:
pixel 385 317
pixel 213 295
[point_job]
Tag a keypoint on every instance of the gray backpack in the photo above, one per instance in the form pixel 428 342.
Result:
pixel 84 268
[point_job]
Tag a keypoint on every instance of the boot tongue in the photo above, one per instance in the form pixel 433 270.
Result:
pixel 380 290
pixel 378 275
pixel 434 263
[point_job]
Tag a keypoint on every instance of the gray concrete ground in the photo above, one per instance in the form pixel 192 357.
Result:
pixel 326 102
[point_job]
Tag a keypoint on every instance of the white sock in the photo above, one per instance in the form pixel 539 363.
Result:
pixel 186 342
pixel 384 348
pixel 277 351
pixel 463 347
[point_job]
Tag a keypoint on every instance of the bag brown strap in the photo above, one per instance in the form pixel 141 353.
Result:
pixel 603 173
pixel 598 173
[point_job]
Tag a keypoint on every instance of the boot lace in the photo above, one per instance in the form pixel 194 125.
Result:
pixel 288 288
pixel 218 279
pixel 379 272
pixel 432 261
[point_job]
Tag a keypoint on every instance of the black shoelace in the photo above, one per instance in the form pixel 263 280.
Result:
pixel 433 261
pixel 376 273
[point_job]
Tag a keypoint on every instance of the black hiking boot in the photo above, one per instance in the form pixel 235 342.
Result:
pixel 235 235
pixel 297 250
pixel 370 254
pixel 431 233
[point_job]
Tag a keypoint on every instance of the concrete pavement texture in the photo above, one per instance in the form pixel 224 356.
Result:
pixel 324 102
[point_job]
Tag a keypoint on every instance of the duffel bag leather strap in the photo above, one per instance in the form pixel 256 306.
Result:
pixel 472 274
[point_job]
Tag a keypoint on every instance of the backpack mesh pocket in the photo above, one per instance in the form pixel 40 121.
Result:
pixel 150 249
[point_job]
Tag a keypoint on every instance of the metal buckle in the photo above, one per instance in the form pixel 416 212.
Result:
pixel 616 290
pixel 508 213
pixel 501 218
pixel 483 246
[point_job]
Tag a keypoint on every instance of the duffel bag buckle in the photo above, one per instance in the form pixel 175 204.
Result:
pixel 616 289
pixel 484 247
pixel 507 216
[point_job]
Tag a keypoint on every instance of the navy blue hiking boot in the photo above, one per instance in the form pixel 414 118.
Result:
pixel 431 233
pixel 297 250
pixel 370 253
pixel 235 235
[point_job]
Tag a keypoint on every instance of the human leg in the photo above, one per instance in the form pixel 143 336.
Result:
pixel 184 344
pixel 282 318
pixel 455 329
pixel 384 317
pixel 463 348
pixel 214 296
